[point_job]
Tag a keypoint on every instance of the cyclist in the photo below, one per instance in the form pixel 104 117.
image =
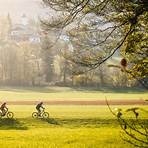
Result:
pixel 38 108
pixel 4 108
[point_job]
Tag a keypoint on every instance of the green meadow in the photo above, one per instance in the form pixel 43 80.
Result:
pixel 67 126
pixel 67 93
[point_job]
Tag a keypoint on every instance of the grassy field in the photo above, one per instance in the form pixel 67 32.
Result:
pixel 66 93
pixel 67 127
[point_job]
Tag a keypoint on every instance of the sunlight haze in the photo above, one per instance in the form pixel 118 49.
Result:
pixel 18 7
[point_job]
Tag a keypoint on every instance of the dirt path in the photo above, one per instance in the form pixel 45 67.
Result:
pixel 80 102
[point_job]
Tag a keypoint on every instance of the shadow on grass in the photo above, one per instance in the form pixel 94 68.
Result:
pixel 94 122
pixel 111 89
pixel 76 122
pixel 90 122
pixel 51 121
pixel 8 124
pixel 56 89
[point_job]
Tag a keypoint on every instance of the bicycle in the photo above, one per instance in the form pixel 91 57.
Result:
pixel 8 114
pixel 40 115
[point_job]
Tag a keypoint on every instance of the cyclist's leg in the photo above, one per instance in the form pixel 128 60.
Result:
pixel 39 112
pixel 3 112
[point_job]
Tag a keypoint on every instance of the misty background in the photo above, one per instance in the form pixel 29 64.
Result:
pixel 30 56
pixel 32 8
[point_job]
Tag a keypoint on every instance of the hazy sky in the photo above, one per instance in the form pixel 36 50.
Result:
pixel 17 7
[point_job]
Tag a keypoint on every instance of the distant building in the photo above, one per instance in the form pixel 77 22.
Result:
pixel 24 31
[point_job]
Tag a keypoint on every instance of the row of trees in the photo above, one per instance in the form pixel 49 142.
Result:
pixel 58 61
pixel 97 29
pixel 62 71
pixel 20 62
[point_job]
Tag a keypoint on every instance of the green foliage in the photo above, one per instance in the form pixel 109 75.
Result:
pixel 134 130
pixel 128 31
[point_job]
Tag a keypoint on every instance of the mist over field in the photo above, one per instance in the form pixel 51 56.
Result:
pixel 16 8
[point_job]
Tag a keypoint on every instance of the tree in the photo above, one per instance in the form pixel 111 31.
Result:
pixel 123 26
pixel 98 29
pixel 133 130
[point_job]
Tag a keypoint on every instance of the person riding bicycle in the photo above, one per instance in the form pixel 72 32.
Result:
pixel 4 108
pixel 38 108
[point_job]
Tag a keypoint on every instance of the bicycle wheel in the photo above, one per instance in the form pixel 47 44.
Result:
pixel 10 115
pixel 45 115
pixel 35 115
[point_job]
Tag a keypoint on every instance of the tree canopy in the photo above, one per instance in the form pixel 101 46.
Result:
pixel 99 28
